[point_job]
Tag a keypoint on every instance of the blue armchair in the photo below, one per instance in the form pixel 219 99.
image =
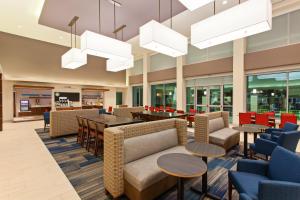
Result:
pixel 273 133
pixel 259 180
pixel 46 119
pixel 288 140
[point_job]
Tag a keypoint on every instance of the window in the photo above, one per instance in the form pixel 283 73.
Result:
pixel 228 99
pixel 137 95
pixel 294 93
pixel 190 98
pixel 267 92
pixel 163 95
pixel 119 98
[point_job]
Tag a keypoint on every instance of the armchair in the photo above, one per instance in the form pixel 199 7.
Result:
pixel 273 133
pixel 46 119
pixel 288 140
pixel 279 179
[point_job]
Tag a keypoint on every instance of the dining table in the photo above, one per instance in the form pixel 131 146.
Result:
pixel 153 116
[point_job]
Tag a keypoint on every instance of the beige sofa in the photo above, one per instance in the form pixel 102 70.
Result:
pixel 131 153
pixel 65 122
pixel 214 128
pixel 126 112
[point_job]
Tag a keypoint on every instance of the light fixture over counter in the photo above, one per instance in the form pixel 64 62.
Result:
pixel 246 19
pixel 194 4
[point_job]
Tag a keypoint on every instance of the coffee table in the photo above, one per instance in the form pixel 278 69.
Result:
pixel 250 128
pixel 205 150
pixel 181 166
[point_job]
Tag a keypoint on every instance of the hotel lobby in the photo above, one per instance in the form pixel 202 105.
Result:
pixel 150 99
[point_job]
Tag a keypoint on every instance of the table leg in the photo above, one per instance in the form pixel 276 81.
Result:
pixel 245 144
pixel 204 177
pixel 180 189
pixel 255 136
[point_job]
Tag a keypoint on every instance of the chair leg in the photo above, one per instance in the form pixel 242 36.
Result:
pixel 229 190
pixel 267 157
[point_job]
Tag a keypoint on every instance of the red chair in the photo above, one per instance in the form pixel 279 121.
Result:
pixel 161 109
pixel 171 110
pixel 287 117
pixel 110 109
pixel 157 109
pixel 191 117
pixel 245 118
pixel 152 109
pixel 262 119
pixel 146 108
pixel 180 111
pixel 271 118
pixel 168 109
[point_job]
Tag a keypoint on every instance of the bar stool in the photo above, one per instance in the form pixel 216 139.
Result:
pixel 80 129
pixel 84 131
pixel 99 137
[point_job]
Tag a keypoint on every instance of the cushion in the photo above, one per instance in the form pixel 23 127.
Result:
pixel 221 136
pixel 246 182
pixel 216 124
pixel 284 166
pixel 145 145
pixel 144 172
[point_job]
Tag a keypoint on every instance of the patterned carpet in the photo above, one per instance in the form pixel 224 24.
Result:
pixel 85 171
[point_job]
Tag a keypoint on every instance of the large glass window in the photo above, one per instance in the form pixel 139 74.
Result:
pixel 294 93
pixel 163 95
pixel 137 95
pixel 228 99
pixel 190 98
pixel 267 92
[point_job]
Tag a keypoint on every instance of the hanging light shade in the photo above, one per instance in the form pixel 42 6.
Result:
pixel 248 18
pixel 99 45
pixel 115 65
pixel 73 59
pixel 157 37
pixel 194 4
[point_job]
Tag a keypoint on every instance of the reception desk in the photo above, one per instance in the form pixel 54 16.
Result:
pixel 35 110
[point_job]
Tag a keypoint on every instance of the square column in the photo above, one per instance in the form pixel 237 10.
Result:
pixel 180 83
pixel 239 79
pixel 146 86
pixel 129 89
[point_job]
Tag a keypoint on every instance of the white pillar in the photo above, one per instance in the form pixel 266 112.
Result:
pixel 239 79
pixel 180 84
pixel 146 87
pixel 129 89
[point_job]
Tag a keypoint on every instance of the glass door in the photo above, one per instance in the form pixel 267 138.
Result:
pixel 137 99
pixel 214 98
pixel 201 99
pixel 228 99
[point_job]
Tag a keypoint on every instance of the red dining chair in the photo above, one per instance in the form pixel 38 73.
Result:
pixel 168 109
pixel 245 118
pixel 146 108
pixel 161 109
pixel 271 118
pixel 152 109
pixel 171 110
pixel 180 112
pixel 110 109
pixel 262 119
pixel 191 117
pixel 287 117
pixel 157 109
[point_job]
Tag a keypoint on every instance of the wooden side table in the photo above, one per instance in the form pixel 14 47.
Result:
pixel 181 166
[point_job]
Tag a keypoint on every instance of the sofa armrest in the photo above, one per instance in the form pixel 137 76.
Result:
pixel 277 190
pixel 265 146
pixel 181 126
pixel 244 196
pixel 270 130
pixel 253 166
pixel 202 128
pixel 114 161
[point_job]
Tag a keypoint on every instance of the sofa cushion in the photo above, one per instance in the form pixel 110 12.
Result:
pixel 246 182
pixel 144 172
pixel 284 166
pixel 216 124
pixel 221 136
pixel 145 145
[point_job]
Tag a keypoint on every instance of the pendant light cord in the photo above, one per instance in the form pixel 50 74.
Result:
pixel 115 18
pixel 99 15
pixel 75 34
pixel 71 37
pixel 214 7
pixel 171 12
pixel 159 11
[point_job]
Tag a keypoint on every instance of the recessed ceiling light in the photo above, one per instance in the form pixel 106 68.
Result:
pixel 224 2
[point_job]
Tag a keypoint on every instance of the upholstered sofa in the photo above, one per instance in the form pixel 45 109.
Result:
pixel 126 112
pixel 131 153
pixel 65 122
pixel 214 128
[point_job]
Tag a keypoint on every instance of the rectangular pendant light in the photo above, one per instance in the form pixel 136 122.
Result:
pixel 73 59
pixel 157 37
pixel 106 47
pixel 194 4
pixel 114 65
pixel 248 18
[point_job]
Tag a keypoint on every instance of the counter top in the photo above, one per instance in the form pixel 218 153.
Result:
pixel 40 106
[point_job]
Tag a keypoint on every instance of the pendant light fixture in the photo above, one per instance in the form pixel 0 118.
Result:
pixel 115 64
pixel 194 4
pixel 73 58
pixel 103 46
pixel 160 38
pixel 246 19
